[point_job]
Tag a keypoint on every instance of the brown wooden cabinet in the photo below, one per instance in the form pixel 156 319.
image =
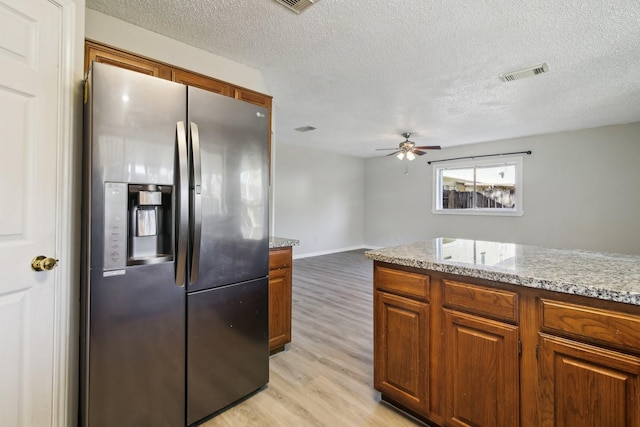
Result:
pixel 482 371
pixel 401 338
pixel 402 350
pixel 252 97
pixel 99 52
pixel 587 386
pixel 108 55
pixel 202 82
pixel 280 284
pixel 587 376
pixel 457 351
pixel 482 355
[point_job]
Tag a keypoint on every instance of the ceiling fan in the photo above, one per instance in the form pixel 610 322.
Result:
pixel 409 149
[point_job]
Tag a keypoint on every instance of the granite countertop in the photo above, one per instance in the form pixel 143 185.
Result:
pixel 281 242
pixel 606 276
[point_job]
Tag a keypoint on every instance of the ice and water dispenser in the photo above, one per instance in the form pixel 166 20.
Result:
pixel 138 224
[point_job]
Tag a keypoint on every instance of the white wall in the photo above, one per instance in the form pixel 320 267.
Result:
pixel 318 199
pixel 580 191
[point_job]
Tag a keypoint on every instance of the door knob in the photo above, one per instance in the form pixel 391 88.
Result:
pixel 43 263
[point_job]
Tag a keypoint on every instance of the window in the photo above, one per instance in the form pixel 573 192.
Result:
pixel 479 187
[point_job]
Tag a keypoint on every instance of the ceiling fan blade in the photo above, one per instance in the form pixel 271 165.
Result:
pixel 419 153
pixel 380 149
pixel 430 147
pixel 393 154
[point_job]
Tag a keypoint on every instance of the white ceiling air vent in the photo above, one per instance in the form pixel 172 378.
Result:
pixel 526 72
pixel 296 5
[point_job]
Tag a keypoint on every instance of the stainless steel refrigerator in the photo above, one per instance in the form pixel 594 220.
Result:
pixel 175 251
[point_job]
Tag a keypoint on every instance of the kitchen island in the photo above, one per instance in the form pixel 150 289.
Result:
pixel 280 291
pixel 486 333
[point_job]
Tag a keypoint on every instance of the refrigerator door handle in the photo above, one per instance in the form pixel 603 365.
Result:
pixel 196 200
pixel 182 199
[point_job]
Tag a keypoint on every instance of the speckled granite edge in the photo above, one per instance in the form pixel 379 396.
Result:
pixel 281 242
pixel 611 277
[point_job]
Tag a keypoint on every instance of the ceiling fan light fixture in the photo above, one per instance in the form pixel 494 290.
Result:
pixel 409 149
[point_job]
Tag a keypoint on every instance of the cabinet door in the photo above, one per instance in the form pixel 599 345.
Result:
pixel 279 307
pixel 401 350
pixel 106 55
pixel 482 371
pixel 587 386
pixel 201 82
pixel 252 97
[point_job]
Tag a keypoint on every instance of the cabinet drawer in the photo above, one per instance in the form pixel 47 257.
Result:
pixel 591 324
pixel 496 303
pixel 279 258
pixel 402 282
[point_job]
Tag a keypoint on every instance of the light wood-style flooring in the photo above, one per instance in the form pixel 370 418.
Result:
pixel 325 376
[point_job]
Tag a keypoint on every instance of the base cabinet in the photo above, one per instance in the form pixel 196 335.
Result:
pixel 402 350
pixel 482 371
pixel 587 386
pixel 461 352
pixel 280 281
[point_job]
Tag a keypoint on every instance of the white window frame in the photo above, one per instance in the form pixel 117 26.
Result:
pixel 510 160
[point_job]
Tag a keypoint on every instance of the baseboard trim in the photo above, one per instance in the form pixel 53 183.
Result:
pixel 331 251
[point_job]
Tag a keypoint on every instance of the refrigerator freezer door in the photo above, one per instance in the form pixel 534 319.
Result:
pixel 227 346
pixel 133 352
pixel 233 144
pixel 136 365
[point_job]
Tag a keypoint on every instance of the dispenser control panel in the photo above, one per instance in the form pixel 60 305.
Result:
pixel 115 225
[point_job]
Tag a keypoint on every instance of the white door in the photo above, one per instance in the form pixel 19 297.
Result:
pixel 30 37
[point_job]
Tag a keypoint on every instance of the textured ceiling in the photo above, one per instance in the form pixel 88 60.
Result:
pixel 363 72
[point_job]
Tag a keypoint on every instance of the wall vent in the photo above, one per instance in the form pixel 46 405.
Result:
pixel 524 73
pixel 296 5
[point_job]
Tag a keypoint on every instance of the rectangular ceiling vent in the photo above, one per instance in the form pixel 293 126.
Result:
pixel 296 5
pixel 524 73
pixel 305 129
